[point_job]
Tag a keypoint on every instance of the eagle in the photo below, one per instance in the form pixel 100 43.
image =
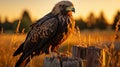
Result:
pixel 49 31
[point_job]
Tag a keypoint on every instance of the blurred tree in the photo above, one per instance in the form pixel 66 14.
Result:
pixel 91 21
pixel 116 18
pixel 25 22
pixel 0 24
pixel 7 25
pixel 0 19
pixel 101 22
pixel 81 24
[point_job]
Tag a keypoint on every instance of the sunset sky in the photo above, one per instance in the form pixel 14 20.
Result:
pixel 12 9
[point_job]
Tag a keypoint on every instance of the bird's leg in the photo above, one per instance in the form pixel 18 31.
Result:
pixel 56 50
pixel 51 53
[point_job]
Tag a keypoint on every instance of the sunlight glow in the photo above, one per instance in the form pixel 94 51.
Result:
pixel 38 8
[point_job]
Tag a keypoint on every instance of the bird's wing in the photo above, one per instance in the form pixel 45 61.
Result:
pixel 40 34
pixel 40 21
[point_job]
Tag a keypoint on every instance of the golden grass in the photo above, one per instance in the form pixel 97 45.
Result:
pixel 10 42
pixel 103 39
pixel 18 26
pixel 107 40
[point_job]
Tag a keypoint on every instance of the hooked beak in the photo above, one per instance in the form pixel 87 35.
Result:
pixel 71 8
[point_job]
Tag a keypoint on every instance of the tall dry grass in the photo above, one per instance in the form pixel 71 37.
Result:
pixel 18 26
pixel 113 54
pixel 103 39
pixel 10 42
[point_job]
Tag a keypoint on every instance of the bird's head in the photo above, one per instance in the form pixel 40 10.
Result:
pixel 64 8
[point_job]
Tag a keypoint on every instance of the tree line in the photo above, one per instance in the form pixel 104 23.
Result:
pixel 99 22
pixel 11 27
pixel 92 22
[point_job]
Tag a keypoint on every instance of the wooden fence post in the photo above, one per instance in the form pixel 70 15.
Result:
pixel 79 52
pixel 81 57
pixel 95 57
pixel 91 56
pixel 47 62
pixel 62 61
pixel 56 62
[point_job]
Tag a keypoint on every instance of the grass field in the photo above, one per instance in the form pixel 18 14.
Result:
pixel 10 42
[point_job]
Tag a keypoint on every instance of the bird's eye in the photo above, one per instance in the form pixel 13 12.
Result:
pixel 60 5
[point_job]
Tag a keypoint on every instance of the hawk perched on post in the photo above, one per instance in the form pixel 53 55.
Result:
pixel 51 30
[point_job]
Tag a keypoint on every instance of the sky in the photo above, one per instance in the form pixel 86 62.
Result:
pixel 12 9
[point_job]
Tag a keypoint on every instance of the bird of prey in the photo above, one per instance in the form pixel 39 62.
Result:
pixel 49 31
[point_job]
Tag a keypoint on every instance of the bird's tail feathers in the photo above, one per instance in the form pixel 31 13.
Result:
pixel 19 50
pixel 20 62
pixel 23 60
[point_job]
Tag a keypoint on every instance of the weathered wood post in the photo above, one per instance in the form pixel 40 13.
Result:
pixel 62 61
pixel 95 57
pixel 71 62
pixel 81 57
pixel 51 62
pixel 91 56
pixel 79 52
pixel 47 62
pixel 56 62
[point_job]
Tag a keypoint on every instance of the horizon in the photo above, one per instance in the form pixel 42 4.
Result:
pixel 39 8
